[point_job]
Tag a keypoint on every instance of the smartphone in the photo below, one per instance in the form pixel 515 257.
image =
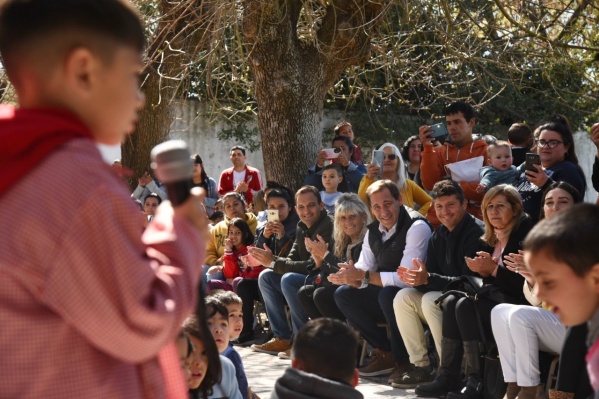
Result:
pixel 332 153
pixel 272 215
pixel 439 130
pixel 530 160
pixel 378 158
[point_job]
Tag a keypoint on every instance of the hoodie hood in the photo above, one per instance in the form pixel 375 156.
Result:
pixel 476 148
pixel 28 136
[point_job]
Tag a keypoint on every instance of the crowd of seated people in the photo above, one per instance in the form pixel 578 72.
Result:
pixel 375 246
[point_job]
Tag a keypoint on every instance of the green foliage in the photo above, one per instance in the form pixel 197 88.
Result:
pixel 242 134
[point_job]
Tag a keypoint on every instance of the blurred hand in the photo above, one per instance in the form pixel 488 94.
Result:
pixel 322 156
pixel 372 171
pixel 264 256
pixel 347 275
pixel 192 209
pixel 423 133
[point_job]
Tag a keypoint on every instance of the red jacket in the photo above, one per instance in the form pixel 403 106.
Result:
pixel 252 177
pixel 232 264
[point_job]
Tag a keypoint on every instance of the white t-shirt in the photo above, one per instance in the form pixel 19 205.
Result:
pixel 238 177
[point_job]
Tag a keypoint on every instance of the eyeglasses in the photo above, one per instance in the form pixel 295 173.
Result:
pixel 551 143
pixel 390 157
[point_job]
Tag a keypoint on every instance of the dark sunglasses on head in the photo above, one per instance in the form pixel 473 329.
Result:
pixel 391 157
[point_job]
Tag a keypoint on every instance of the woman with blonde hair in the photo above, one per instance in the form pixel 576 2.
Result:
pixel 351 219
pixel 393 168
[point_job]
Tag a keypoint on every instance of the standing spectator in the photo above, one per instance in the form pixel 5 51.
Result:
pixel 344 128
pixel 456 238
pixel 367 288
pixel 241 178
pixel 459 147
pixel 322 364
pixel 352 174
pixel 411 153
pixel 521 140
pixel 201 179
pixel 555 146
pixel 393 169
pixel 280 283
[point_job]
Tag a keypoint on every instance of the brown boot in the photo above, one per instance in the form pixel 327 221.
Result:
pixel 512 390
pixel 537 392
pixel 554 394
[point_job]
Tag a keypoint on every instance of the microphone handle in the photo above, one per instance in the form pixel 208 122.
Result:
pixel 178 191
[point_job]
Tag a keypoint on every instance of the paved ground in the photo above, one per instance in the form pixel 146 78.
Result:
pixel 262 371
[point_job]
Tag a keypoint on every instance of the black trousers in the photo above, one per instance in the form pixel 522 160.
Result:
pixel 319 302
pixel 572 373
pixel 248 291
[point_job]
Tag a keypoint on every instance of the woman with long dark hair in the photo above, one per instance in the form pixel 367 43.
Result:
pixel 201 179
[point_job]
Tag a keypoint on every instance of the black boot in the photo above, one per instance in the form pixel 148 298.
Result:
pixel 474 384
pixel 449 370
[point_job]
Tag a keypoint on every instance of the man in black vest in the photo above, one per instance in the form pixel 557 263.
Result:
pixel 368 287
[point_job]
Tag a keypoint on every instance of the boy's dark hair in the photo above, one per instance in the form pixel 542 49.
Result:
pixel 520 135
pixel 216 215
pixel 459 106
pixel 280 193
pixel 448 187
pixel 214 306
pixel 567 187
pixel 248 236
pixel 328 348
pixel 334 166
pixel 96 24
pixel 237 147
pixel 347 141
pixel 308 189
pixel 227 297
pixel 569 236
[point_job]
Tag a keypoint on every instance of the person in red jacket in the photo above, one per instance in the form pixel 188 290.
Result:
pixel 241 178
pixel 459 146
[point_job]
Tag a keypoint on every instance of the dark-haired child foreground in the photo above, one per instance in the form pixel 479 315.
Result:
pixel 323 357
pixel 89 307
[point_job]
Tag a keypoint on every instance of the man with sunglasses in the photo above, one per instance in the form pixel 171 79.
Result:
pixel 460 146
pixel 352 173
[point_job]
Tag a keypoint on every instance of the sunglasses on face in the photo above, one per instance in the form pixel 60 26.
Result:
pixel 390 157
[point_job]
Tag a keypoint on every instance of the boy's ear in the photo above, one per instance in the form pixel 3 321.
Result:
pixel 80 66
pixel 594 275
pixel 340 179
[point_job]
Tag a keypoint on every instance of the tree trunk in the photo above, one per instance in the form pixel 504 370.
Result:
pixel 291 77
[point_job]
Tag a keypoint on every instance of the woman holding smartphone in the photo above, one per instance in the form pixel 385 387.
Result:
pixel 392 168
pixel 555 147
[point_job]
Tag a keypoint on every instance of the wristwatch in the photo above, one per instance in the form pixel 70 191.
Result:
pixel 365 280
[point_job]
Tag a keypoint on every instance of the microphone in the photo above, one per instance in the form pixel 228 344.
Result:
pixel 171 162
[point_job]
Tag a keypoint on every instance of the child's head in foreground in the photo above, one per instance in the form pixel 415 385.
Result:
pixel 500 155
pixel 217 317
pixel 332 176
pixel 234 305
pixel 328 348
pixel 563 255
pixel 83 56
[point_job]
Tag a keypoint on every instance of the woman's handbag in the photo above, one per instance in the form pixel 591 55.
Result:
pixel 472 287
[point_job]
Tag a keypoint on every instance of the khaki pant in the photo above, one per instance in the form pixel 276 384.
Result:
pixel 413 308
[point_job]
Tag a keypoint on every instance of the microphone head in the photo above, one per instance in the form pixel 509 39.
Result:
pixel 171 161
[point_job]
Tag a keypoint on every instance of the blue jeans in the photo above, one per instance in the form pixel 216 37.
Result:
pixel 367 307
pixel 277 290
